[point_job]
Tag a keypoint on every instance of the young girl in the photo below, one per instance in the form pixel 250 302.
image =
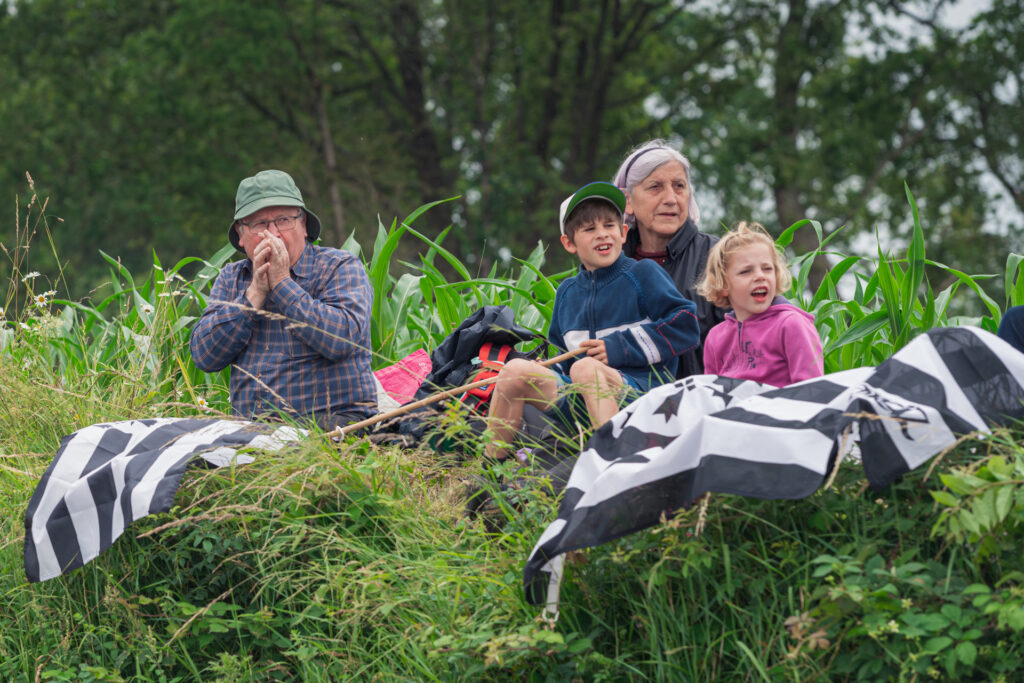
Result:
pixel 764 338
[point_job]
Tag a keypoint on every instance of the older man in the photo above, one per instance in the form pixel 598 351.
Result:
pixel 293 319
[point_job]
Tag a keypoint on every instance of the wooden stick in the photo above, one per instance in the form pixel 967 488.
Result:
pixel 342 431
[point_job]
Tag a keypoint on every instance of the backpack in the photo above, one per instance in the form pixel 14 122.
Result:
pixel 476 349
pixel 455 359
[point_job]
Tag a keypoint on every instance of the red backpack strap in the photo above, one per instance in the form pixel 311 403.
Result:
pixel 491 359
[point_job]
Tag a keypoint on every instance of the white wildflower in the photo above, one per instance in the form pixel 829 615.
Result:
pixel 24 326
pixel 202 403
pixel 49 325
pixel 3 313
pixel 148 309
pixel 31 276
pixel 39 300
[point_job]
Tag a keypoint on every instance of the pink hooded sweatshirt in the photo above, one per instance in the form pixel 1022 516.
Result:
pixel 778 347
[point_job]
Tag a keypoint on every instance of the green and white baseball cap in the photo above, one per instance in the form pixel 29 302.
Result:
pixel 597 190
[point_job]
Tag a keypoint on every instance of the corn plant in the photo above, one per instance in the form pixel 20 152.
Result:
pixel 892 299
pixel 1012 282
pixel 134 339
pixel 420 307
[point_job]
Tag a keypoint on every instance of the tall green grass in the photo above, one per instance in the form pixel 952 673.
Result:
pixel 355 562
pixel 889 297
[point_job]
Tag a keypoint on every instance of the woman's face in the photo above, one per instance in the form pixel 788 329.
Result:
pixel 660 202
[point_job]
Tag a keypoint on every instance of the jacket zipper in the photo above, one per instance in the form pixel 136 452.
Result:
pixel 590 306
pixel 739 339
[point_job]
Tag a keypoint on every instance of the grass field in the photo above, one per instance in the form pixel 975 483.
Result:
pixel 356 561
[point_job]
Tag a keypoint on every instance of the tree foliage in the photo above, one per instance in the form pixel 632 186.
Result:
pixel 142 118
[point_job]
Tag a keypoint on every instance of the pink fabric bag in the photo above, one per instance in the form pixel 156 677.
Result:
pixel 402 379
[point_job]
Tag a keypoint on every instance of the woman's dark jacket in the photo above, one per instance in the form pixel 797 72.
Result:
pixel 687 255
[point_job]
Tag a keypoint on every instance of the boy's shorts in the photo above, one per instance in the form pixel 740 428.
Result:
pixel 570 406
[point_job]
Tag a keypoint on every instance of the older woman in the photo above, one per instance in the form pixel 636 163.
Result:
pixel 662 214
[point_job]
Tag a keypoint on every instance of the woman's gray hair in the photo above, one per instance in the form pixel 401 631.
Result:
pixel 641 163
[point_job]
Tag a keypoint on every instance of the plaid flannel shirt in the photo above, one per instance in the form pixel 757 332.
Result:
pixel 308 352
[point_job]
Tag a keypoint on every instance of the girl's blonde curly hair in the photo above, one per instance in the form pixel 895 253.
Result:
pixel 713 285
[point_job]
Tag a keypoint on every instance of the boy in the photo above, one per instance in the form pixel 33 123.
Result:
pixel 627 314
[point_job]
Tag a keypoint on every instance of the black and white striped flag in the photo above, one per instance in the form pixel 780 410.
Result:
pixel 106 476
pixel 709 433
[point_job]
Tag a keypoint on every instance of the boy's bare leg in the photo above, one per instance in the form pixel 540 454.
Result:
pixel 600 386
pixel 520 382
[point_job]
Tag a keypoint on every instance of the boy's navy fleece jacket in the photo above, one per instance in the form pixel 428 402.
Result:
pixel 636 309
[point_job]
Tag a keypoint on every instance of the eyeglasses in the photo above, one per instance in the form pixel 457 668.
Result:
pixel 283 224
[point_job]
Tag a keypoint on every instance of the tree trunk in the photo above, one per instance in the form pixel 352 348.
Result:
pixel 550 92
pixel 423 146
pixel 789 69
pixel 331 161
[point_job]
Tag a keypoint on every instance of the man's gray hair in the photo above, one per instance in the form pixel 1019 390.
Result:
pixel 641 163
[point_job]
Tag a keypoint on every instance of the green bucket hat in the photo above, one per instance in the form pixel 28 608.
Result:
pixel 269 188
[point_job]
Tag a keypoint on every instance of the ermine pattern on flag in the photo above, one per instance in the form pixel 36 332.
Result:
pixel 710 433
